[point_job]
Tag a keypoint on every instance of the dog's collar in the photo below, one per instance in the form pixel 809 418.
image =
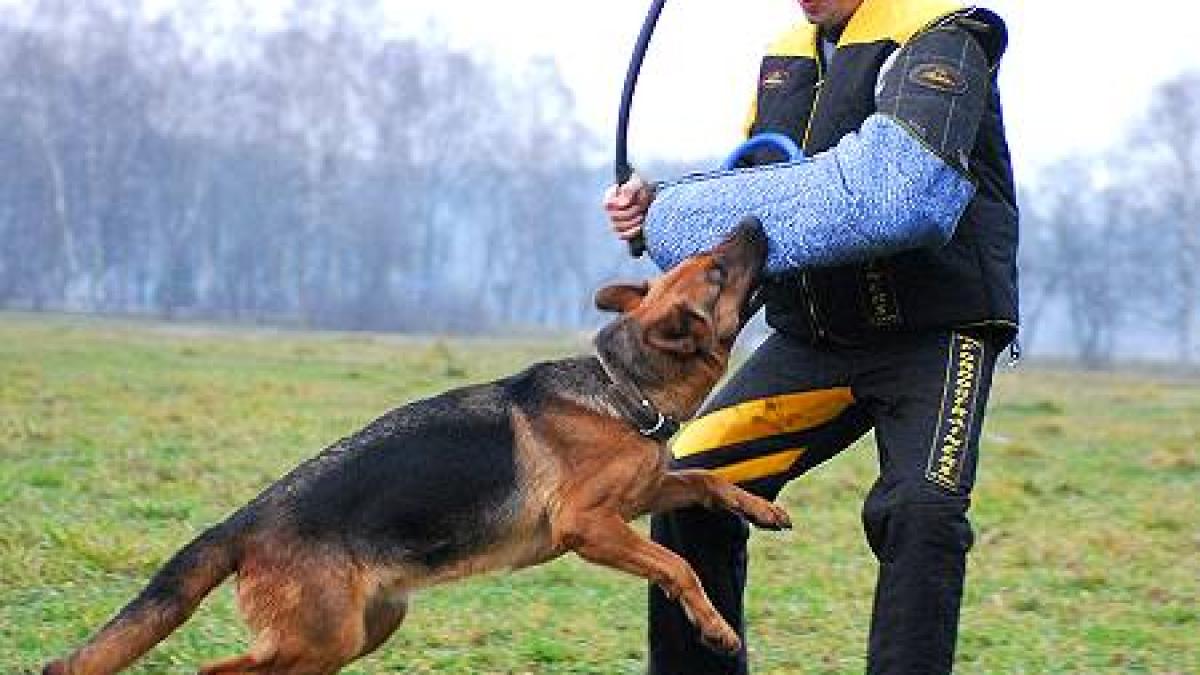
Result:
pixel 649 420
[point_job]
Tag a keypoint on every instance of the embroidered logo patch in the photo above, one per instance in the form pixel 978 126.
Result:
pixel 774 78
pixel 946 457
pixel 883 309
pixel 939 77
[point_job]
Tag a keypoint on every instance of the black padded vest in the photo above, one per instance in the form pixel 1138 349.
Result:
pixel 969 283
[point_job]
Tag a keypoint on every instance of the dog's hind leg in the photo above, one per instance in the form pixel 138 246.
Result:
pixel 259 657
pixel 308 613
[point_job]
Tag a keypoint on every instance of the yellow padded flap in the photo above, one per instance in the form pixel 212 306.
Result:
pixel 751 116
pixel 894 20
pixel 799 40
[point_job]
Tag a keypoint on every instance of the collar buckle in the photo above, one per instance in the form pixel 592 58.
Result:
pixel 661 429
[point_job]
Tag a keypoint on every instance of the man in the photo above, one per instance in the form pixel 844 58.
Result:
pixel 892 287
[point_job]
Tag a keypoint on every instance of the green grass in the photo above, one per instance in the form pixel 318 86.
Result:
pixel 120 441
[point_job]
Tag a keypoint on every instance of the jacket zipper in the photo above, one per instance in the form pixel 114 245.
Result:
pixel 809 301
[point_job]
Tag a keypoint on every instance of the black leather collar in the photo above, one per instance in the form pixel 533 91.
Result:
pixel 638 409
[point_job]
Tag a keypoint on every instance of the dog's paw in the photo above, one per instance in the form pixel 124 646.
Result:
pixel 721 639
pixel 767 516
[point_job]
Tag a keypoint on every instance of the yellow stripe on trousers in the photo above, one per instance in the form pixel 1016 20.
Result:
pixel 760 467
pixel 760 418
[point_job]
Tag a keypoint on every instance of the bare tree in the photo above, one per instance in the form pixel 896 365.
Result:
pixel 1170 178
pixel 1081 255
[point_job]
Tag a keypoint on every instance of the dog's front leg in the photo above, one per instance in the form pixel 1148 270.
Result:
pixel 608 540
pixel 699 487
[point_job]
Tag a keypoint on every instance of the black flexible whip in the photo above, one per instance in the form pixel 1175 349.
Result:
pixel 623 171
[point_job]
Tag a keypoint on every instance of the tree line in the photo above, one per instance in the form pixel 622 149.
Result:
pixel 316 174
pixel 322 173
pixel 1110 245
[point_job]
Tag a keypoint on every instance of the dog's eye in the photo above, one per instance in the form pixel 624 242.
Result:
pixel 716 275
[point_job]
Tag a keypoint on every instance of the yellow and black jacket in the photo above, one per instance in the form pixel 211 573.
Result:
pixel 969 281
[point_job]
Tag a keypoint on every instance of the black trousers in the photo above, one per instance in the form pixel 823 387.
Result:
pixel 793 406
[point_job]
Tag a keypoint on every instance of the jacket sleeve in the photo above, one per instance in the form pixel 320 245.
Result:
pixel 900 182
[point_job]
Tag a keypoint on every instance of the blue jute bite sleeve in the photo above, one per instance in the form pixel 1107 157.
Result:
pixel 881 190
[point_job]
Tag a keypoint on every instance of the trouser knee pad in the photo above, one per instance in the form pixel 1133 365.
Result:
pixel 894 527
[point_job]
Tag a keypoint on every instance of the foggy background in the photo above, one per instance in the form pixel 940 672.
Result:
pixel 323 166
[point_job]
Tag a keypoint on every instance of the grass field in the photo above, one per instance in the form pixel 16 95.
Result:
pixel 119 441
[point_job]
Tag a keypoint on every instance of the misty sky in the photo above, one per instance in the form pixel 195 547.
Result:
pixel 1077 74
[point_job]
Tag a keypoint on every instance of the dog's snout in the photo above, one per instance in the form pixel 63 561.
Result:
pixel 746 244
pixel 751 230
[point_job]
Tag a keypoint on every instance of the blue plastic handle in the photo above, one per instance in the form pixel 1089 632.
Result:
pixel 757 142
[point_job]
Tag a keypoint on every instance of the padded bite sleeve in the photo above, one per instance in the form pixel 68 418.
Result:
pixel 879 191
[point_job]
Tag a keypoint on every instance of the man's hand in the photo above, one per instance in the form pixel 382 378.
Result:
pixel 626 206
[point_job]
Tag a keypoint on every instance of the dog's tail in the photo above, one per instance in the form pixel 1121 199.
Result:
pixel 166 602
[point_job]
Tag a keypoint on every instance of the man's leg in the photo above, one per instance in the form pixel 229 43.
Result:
pixel 927 399
pixel 786 410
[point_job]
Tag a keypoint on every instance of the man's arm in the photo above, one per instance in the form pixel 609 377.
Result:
pixel 898 183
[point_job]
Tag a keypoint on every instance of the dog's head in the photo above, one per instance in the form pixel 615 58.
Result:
pixel 675 332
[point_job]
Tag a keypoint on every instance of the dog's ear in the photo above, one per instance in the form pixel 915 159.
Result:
pixel 682 331
pixel 621 297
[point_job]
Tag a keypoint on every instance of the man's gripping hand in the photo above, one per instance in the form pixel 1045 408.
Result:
pixel 626 206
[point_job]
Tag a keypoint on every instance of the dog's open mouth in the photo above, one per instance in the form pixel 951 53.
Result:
pixel 755 299
pixel 751 247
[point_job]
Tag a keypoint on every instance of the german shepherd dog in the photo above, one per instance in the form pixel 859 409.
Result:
pixel 507 474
